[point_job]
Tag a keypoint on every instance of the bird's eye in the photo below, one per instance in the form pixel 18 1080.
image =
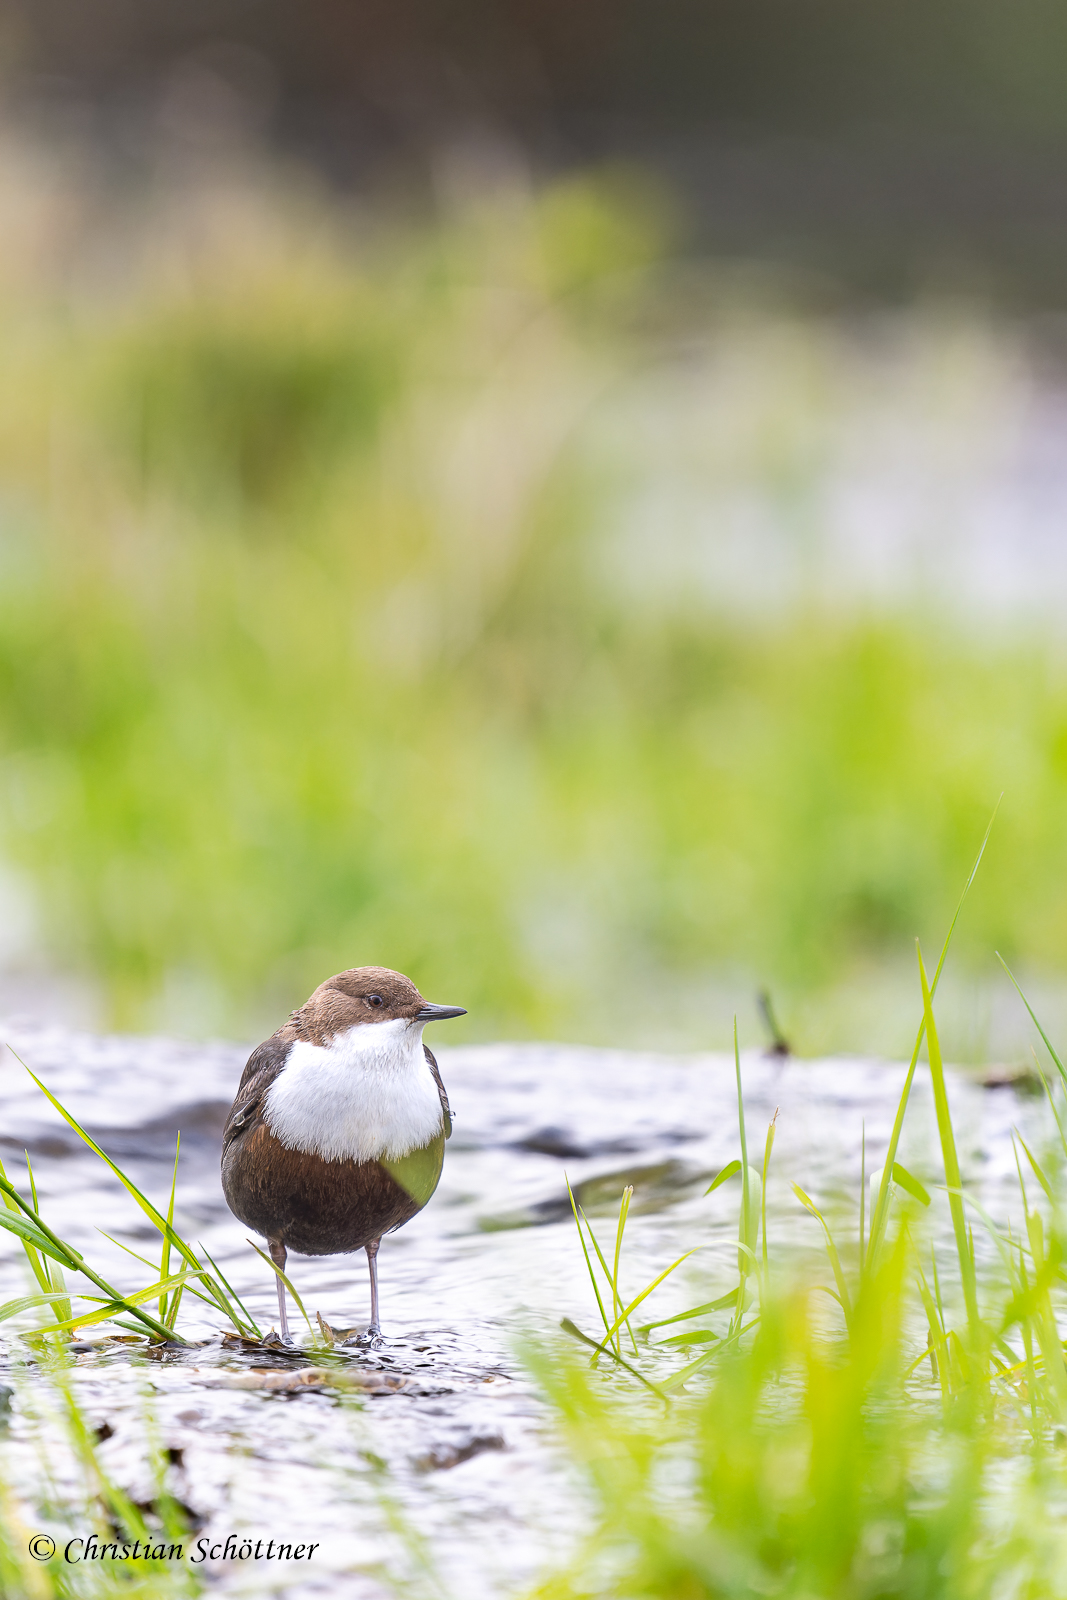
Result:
pixel 375 1000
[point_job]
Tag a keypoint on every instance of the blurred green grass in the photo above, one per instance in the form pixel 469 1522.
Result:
pixel 307 658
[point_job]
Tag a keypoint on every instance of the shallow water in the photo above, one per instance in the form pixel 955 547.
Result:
pixel 456 1441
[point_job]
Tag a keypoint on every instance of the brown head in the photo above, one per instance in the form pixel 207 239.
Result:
pixel 363 995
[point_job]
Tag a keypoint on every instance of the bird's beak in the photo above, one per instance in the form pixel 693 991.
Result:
pixel 431 1013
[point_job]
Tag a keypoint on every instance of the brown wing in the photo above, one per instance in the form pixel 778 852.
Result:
pixel 446 1109
pixel 261 1069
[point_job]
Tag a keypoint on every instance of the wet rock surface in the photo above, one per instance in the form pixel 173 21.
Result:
pixel 440 1429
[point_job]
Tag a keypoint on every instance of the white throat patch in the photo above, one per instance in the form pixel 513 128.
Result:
pixel 368 1093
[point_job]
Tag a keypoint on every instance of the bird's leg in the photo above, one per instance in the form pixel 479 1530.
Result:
pixel 277 1255
pixel 374 1331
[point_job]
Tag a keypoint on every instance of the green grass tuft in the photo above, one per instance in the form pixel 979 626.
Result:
pixel 47 1254
pixel 909 1444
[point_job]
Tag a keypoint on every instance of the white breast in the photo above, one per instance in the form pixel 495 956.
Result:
pixel 368 1093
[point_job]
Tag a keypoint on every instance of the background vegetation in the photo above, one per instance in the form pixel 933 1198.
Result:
pixel 321 643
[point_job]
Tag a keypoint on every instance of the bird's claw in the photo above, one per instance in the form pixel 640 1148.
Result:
pixel 369 1339
pixel 279 1341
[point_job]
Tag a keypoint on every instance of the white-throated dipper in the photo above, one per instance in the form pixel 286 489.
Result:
pixel 337 1134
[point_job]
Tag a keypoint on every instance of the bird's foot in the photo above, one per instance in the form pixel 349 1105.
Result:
pixel 279 1341
pixel 349 1338
pixel 333 1336
pixel 369 1338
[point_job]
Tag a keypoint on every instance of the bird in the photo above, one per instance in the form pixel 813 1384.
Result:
pixel 337 1132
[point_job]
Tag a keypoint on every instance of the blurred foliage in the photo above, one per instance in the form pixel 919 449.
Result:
pixel 307 659
pixel 540 69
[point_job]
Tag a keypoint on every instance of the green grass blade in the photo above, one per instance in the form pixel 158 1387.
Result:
pixel 596 1246
pixel 166 1228
pixel 698 1311
pixel 172 1281
pixel 130 1303
pixel 616 1296
pixel 963 896
pixel 745 1198
pixel 59 1286
pixel 678 1379
pixel 37 1266
pixel 744 1227
pixel 35 1235
pixel 1060 1068
pixel 1051 1103
pixel 104 1313
pixel 51 1272
pixel 935 1336
pixel 20 1205
pixel 831 1249
pixel 128 1184
pixel 600 1257
pixel 27 1302
pixel 880 1210
pixel 949 1157
pixel 763 1186
pixel 33 1185
pixel 110 1237
pixel 30 1226
pixel 1038 1174
pixel 232 1292
pixel 576 1333
pixel 863 1186
pixel 164 1255
pixel 729 1171
pixel 695 1336
pixel 585 1252
pixel 910 1184
pixel 288 1284
pixel 210 1299
pixel 645 1294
